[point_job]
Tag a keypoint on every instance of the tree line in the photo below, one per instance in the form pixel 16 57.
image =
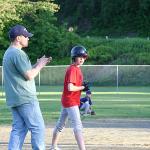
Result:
pixel 52 38
pixel 106 17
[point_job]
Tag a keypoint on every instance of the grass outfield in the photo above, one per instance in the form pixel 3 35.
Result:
pixel 108 104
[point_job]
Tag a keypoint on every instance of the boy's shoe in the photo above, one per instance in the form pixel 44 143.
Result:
pixel 55 148
pixel 85 114
pixel 82 113
pixel 93 112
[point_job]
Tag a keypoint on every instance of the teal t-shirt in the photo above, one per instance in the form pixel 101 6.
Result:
pixel 18 89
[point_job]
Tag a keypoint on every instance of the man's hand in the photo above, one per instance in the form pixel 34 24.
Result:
pixel 30 74
pixel 43 61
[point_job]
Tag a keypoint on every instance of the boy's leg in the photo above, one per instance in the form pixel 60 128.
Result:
pixel 59 127
pixel 19 131
pixel 34 121
pixel 74 116
pixel 82 108
pixel 87 107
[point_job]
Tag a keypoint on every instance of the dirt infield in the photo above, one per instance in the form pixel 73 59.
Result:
pixel 102 134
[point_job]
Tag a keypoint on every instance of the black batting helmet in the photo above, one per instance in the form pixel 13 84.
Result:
pixel 78 51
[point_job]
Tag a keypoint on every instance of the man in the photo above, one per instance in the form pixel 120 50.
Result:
pixel 21 92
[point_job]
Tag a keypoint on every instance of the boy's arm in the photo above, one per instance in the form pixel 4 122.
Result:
pixel 72 87
pixel 90 101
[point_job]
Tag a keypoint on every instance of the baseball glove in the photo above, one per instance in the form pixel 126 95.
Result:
pixel 86 86
pixel 93 112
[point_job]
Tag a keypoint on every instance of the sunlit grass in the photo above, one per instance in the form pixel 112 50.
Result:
pixel 106 105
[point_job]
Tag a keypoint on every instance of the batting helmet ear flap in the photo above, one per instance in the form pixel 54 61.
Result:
pixel 73 59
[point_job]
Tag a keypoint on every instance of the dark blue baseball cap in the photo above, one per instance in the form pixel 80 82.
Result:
pixel 19 30
pixel 88 92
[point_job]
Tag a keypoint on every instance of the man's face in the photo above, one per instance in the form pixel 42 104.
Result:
pixel 88 95
pixel 23 41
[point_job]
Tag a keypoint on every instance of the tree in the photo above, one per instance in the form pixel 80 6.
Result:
pixel 38 17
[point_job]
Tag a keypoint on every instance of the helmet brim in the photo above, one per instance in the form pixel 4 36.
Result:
pixel 83 55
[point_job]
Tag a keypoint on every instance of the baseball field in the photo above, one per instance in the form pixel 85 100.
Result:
pixel 122 120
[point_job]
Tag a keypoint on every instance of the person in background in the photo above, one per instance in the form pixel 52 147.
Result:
pixel 21 91
pixel 71 98
pixel 86 104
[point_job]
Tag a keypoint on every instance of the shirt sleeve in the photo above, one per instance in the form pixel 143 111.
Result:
pixel 90 101
pixel 22 63
pixel 72 78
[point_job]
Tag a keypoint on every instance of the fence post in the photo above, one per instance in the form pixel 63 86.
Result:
pixel 117 79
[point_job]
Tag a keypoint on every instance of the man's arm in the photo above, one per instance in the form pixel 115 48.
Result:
pixel 30 74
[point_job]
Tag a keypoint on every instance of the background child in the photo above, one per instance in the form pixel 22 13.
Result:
pixel 86 104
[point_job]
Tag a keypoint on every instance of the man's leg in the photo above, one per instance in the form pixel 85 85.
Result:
pixel 33 118
pixel 19 131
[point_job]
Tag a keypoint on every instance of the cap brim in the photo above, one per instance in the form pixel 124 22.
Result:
pixel 30 35
pixel 88 93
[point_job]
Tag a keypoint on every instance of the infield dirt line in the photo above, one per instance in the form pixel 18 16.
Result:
pixel 112 134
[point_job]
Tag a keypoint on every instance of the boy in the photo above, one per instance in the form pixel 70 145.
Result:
pixel 85 104
pixel 71 98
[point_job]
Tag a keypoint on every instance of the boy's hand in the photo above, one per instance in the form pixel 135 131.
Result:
pixel 86 86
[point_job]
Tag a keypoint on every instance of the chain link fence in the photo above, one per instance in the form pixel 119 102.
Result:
pixel 116 76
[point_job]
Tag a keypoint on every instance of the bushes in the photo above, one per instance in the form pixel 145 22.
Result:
pixel 101 54
pixel 127 51
pixel 106 17
pixel 130 50
pixel 54 40
pixel 49 38
pixel 142 58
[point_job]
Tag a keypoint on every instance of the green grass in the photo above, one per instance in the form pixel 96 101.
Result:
pixel 106 104
pixel 99 89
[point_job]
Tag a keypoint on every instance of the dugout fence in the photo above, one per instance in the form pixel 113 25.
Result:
pixel 104 77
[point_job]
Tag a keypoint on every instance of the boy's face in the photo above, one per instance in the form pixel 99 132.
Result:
pixel 79 60
pixel 88 95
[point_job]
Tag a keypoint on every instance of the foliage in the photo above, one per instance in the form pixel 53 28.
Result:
pixel 37 17
pixel 123 51
pixel 51 39
pixel 101 54
pixel 107 17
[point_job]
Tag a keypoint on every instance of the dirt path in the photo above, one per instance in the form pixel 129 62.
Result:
pixel 102 134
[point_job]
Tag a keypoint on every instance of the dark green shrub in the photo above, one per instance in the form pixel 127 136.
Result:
pixel 101 54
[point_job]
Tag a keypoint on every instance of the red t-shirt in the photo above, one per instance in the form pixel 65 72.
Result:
pixel 73 75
